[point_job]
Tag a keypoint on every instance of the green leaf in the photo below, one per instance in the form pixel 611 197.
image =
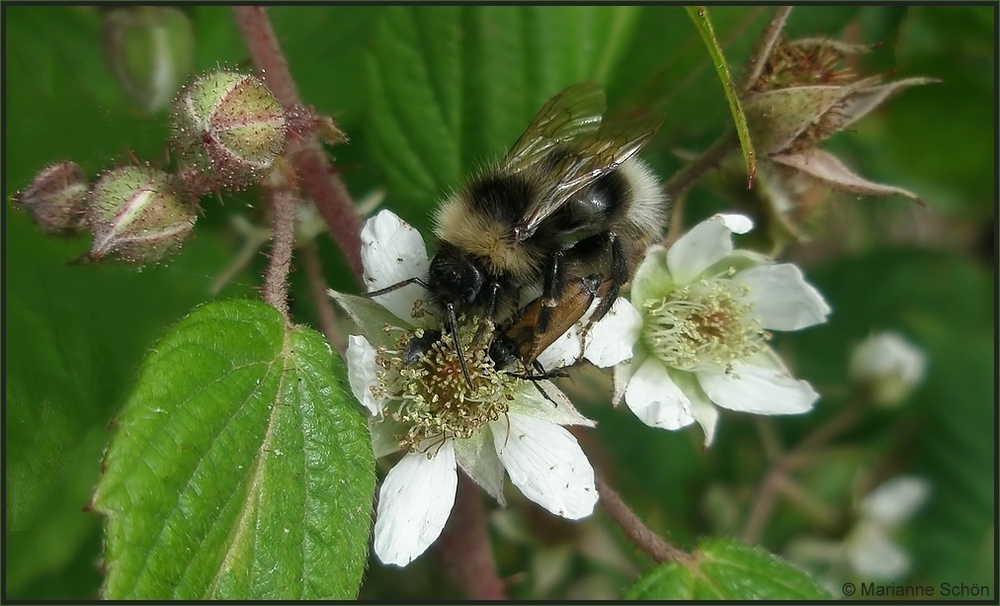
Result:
pixel 451 88
pixel 241 467
pixel 722 569
pixel 699 15
pixel 74 337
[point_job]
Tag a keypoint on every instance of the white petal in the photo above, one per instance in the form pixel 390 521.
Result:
pixel 874 555
pixel 622 374
pixel 553 407
pixel 391 252
pixel 706 244
pixel 763 390
pixel 371 317
pixel 563 352
pixel 736 223
pixel 546 463
pixel 652 278
pixel 782 298
pixel 383 431
pixel 477 457
pixel 414 503
pixel 895 500
pixel 610 340
pixel 362 373
pixel 706 414
pixel 654 397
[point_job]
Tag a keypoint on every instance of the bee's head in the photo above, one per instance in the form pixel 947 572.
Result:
pixel 455 278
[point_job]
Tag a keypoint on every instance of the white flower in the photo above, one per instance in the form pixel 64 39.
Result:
pixel 869 551
pixel 706 310
pixel 888 367
pixel 426 408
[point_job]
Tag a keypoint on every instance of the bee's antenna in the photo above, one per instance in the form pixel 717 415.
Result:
pixel 453 328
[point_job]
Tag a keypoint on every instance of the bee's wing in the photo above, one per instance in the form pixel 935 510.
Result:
pixel 585 161
pixel 574 112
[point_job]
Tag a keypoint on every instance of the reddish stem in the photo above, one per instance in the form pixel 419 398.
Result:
pixel 465 546
pixel 323 187
pixel 282 204
pixel 640 534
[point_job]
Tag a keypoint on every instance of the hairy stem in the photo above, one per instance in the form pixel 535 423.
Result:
pixel 465 546
pixel 282 206
pixel 644 538
pixel 324 188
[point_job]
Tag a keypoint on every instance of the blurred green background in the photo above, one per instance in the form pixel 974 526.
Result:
pixel 74 335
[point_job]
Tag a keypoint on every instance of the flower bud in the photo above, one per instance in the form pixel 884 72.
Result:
pixel 150 50
pixel 56 199
pixel 887 367
pixel 230 127
pixel 138 214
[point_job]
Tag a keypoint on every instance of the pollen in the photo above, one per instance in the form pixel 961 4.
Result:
pixel 704 324
pixel 433 401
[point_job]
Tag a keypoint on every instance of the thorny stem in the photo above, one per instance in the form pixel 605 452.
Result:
pixel 282 205
pixel 465 546
pixel 644 538
pixel 777 477
pixel 318 292
pixel 323 187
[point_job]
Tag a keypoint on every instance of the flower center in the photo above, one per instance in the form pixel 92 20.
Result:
pixel 703 324
pixel 434 401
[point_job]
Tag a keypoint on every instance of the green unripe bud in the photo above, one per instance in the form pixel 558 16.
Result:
pixel 150 50
pixel 138 215
pixel 230 127
pixel 56 199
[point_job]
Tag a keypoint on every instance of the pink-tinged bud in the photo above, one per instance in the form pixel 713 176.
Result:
pixel 56 199
pixel 138 215
pixel 150 50
pixel 230 127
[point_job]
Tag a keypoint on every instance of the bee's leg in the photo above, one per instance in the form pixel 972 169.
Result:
pixel 452 322
pixel 541 376
pixel 552 288
pixel 618 273
pixel 606 250
pixel 396 286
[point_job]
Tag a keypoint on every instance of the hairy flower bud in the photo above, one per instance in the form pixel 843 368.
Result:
pixel 804 95
pixel 138 214
pixel 150 50
pixel 56 199
pixel 230 127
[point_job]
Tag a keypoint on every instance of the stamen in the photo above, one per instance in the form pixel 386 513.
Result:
pixel 703 324
pixel 432 397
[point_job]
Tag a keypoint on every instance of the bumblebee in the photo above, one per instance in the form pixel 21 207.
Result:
pixel 568 205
